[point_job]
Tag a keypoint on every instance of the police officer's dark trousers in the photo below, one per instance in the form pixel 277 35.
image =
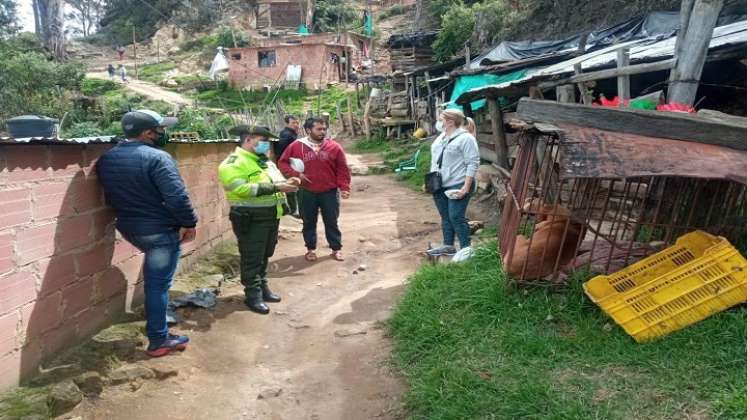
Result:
pixel 257 232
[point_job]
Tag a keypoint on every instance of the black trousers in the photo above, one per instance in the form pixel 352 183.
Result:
pixel 257 232
pixel 310 204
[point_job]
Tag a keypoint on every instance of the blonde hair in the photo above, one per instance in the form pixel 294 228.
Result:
pixel 470 126
pixel 453 115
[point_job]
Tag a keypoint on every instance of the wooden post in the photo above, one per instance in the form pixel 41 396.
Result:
pixel 357 95
pixel 339 115
pixel 499 135
pixel 566 93
pixel 466 55
pixel 367 117
pixel 134 51
pixel 350 114
pixel 623 82
pixel 683 86
pixel 586 96
pixel 468 110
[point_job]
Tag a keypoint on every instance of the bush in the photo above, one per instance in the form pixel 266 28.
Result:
pixel 395 10
pixel 456 29
pixel 82 129
pixel 208 125
pixel 96 87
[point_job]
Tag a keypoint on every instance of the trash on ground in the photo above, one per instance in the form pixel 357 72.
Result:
pixel 201 298
pixel 463 254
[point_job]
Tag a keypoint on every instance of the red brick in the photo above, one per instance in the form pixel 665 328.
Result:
pixel 58 339
pixel 92 153
pixel 36 242
pixel 132 268
pixel 103 224
pixel 56 273
pixel 88 194
pixel 123 251
pixel 15 208
pixel 52 200
pixel 77 297
pixel 8 332
pixel 95 260
pixel 16 290
pixel 41 316
pixel 92 320
pixel 67 160
pixel 111 283
pixel 74 232
pixel 10 370
pixel 26 163
pixel 6 252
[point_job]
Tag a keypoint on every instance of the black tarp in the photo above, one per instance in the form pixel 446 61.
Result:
pixel 414 39
pixel 655 24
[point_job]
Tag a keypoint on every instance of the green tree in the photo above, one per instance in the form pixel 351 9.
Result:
pixel 456 29
pixel 332 14
pixel 8 18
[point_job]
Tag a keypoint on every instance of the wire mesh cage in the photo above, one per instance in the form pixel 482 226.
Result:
pixel 553 224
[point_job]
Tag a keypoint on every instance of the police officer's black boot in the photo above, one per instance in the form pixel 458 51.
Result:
pixel 267 294
pixel 254 300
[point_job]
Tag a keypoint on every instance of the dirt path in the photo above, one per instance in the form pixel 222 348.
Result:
pixel 148 89
pixel 320 354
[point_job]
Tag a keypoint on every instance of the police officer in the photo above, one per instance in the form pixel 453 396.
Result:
pixel 256 189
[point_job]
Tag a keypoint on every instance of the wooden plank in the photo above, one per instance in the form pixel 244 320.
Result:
pixel 683 86
pixel 623 81
pixel 350 114
pixel 727 132
pixel 566 94
pixel 625 71
pixel 586 96
pixel 499 135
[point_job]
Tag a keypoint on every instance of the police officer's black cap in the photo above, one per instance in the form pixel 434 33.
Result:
pixel 255 130
pixel 135 122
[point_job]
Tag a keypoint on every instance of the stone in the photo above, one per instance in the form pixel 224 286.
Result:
pixel 349 333
pixel 165 373
pixel 362 267
pixel 269 393
pixel 91 383
pixel 171 83
pixel 63 397
pixel 130 373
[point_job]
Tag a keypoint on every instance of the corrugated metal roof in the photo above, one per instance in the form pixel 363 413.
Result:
pixel 644 50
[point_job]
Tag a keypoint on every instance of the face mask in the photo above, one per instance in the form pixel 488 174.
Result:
pixel 161 140
pixel 439 126
pixel 262 147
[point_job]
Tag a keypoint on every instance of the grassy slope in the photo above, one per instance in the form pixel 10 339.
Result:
pixel 473 347
pixel 395 151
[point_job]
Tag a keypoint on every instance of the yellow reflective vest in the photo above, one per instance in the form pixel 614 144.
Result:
pixel 251 182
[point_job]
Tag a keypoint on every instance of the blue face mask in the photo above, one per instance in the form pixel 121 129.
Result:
pixel 262 147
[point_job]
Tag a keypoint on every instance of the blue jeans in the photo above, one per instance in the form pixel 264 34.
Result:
pixel 161 257
pixel 453 217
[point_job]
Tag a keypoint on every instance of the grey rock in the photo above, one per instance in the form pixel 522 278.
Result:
pixel 269 393
pixel 350 333
pixel 91 383
pixel 130 373
pixel 63 397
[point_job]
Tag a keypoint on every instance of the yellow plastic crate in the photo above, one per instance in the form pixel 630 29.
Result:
pixel 686 283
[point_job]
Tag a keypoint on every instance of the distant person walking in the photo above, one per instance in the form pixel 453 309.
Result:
pixel 456 157
pixel 287 136
pixel 123 73
pixel 120 52
pixel 142 184
pixel 326 178
pixel 111 71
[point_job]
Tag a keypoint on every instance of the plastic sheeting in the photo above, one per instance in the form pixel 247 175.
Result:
pixel 220 64
pixel 467 83
pixel 653 25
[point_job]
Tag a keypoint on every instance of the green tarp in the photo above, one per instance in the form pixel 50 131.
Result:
pixel 467 83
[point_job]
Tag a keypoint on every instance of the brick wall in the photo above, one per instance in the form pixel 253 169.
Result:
pixel 64 271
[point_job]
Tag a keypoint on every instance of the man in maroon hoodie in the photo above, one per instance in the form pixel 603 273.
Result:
pixel 325 178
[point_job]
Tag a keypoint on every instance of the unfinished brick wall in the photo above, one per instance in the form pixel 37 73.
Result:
pixel 64 271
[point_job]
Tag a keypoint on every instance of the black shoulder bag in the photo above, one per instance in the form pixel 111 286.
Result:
pixel 433 181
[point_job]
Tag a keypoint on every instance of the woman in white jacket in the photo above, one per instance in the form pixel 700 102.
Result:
pixel 456 156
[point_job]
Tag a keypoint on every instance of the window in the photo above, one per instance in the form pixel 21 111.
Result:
pixel 266 58
pixel 236 56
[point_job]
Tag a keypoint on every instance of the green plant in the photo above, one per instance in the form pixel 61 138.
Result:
pixel 395 10
pixel 82 129
pixel 457 26
pixel 333 14
pixel 96 87
pixel 155 72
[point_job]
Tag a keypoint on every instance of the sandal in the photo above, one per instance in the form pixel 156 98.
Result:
pixel 337 255
pixel 310 256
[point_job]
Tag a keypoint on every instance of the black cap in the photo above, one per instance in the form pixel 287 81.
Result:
pixel 256 130
pixel 135 122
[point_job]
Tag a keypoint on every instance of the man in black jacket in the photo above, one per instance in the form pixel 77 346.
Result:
pixel 288 135
pixel 142 184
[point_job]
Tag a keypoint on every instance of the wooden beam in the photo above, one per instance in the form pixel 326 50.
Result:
pixel 586 96
pixel 727 132
pixel 623 81
pixel 624 71
pixel 350 114
pixel 683 86
pixel 468 109
pixel 566 94
pixel 499 134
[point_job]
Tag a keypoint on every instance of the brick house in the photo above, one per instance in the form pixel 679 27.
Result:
pixel 319 58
